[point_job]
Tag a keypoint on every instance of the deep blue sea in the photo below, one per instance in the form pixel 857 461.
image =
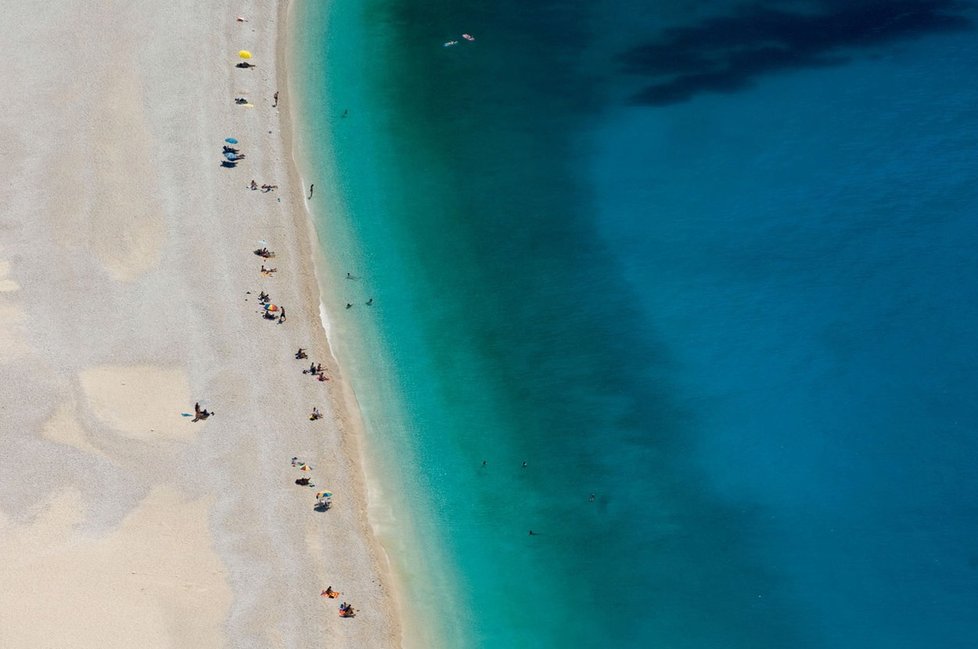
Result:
pixel 713 263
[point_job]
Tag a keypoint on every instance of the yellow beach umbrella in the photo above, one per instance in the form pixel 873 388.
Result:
pixel 245 54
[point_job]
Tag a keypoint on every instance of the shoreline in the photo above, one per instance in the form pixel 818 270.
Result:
pixel 399 511
pixel 345 404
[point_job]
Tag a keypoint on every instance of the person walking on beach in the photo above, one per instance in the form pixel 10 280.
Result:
pixel 311 187
pixel 276 99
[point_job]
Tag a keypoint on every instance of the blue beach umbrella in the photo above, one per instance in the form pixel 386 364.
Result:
pixel 231 140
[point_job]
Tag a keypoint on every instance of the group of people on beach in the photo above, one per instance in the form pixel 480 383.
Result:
pixel 346 610
pixel 232 156
pixel 315 369
pixel 270 311
pixel 264 188
pixel 323 503
pixel 323 499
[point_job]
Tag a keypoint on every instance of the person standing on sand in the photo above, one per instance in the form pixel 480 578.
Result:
pixel 311 187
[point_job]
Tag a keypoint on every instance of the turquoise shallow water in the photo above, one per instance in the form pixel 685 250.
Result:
pixel 727 290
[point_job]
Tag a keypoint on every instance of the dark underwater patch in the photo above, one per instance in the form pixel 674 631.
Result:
pixel 727 54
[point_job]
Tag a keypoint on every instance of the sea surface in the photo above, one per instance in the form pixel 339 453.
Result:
pixel 707 268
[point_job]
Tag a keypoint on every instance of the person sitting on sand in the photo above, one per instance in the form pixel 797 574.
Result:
pixel 303 481
pixel 315 414
pixel 200 413
pixel 263 297
pixel 301 353
pixel 254 185
pixel 330 593
pixel 322 377
pixel 267 271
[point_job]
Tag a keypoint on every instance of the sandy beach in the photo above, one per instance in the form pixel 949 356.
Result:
pixel 128 292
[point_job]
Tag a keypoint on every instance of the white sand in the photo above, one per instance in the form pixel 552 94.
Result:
pixel 121 589
pixel 125 258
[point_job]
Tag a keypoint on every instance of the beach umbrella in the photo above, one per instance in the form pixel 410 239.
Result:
pixel 271 307
pixel 230 140
pixel 305 467
pixel 245 54
pixel 324 494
